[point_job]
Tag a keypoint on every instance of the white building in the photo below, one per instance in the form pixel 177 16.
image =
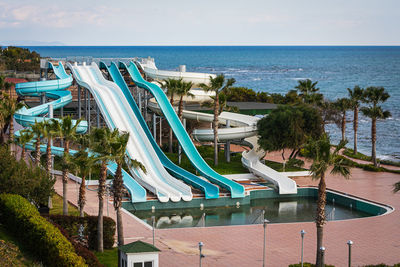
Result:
pixel 138 254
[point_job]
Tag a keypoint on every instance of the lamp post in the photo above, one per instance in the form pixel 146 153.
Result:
pixel 201 244
pixel 265 222
pixel 153 218
pixel 302 233
pixel 322 251
pixel 350 243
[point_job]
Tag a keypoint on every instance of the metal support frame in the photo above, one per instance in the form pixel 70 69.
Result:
pixel 228 144
pixel 79 102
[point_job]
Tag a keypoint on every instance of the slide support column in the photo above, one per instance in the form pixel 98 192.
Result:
pixel 228 144
pixel 79 102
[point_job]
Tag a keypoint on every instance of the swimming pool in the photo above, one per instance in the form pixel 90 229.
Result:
pixel 253 209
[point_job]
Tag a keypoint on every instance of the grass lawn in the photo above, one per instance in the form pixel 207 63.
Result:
pixel 109 257
pixel 233 167
pixel 350 153
pixel 207 152
pixel 11 251
pixel 58 206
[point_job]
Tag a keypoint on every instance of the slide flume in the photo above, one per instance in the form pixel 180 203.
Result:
pixel 237 190
pixel 246 128
pixel 210 191
pixel 56 90
pixel 118 114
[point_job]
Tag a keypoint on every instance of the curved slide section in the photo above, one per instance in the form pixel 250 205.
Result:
pixel 246 128
pixel 237 190
pixel 54 89
pixel 210 191
pixel 118 114
pixel 149 67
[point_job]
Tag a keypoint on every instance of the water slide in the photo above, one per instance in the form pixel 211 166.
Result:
pixel 118 114
pixel 149 67
pixel 210 191
pixel 237 190
pixel 245 127
pixel 56 90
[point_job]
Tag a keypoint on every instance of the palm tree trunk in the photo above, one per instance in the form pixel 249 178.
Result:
pixel 48 156
pixel 180 108
pixel 65 180
pixel 344 126
pixel 320 219
pixel 82 197
pixel 23 153
pixel 215 127
pixel 117 186
pixel 102 183
pixel 37 151
pixel 170 128
pixel 355 127
pixel 11 132
pixel 373 138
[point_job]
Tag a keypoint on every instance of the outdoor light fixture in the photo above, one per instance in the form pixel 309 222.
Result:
pixel 201 254
pixel 350 243
pixel 302 233
pixel 265 222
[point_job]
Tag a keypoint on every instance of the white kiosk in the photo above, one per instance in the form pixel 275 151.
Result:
pixel 138 254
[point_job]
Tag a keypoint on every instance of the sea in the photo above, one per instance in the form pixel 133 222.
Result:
pixel 277 69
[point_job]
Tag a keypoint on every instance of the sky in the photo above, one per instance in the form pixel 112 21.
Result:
pixel 201 22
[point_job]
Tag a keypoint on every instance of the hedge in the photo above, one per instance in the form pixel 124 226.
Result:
pixel 36 233
pixel 72 223
pixel 80 249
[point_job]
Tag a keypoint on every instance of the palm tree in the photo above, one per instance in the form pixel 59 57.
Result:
pixel 183 90
pixel 356 96
pixel 323 159
pixel 24 137
pixel 374 96
pixel 308 91
pixel 10 106
pixel 83 163
pixel 49 133
pixel 171 86
pixel 66 130
pixel 37 129
pixel 342 105
pixel 118 155
pixel 101 143
pixel 217 85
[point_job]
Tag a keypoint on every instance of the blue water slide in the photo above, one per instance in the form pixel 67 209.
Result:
pixel 118 114
pixel 237 190
pixel 210 191
pixel 55 90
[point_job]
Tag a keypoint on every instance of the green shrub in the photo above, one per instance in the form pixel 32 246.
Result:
pixel 89 257
pixel 16 177
pixel 307 264
pixel 72 223
pixel 38 235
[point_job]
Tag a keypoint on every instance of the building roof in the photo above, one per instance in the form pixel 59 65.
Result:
pixel 138 247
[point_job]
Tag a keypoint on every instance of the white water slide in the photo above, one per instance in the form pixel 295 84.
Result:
pixel 118 114
pixel 244 127
pixel 149 67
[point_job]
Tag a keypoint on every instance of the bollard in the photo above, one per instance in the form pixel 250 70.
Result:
pixel 350 243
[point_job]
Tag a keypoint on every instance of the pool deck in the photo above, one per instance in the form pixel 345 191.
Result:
pixel 376 239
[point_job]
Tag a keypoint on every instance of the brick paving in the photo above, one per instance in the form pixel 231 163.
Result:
pixel 376 239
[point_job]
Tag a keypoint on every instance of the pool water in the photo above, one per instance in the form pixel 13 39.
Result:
pixel 281 210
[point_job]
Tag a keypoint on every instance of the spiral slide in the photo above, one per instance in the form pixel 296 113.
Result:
pixel 55 89
pixel 237 190
pixel 118 114
pixel 210 191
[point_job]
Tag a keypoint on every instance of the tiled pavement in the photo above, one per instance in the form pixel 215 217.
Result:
pixel 375 239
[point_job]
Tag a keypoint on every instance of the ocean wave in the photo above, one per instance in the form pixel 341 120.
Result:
pixel 256 79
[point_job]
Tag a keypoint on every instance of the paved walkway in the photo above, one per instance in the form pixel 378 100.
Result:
pixel 376 239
